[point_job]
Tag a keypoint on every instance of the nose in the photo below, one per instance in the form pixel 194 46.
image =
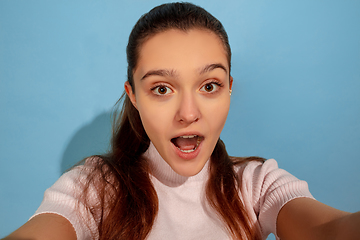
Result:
pixel 188 110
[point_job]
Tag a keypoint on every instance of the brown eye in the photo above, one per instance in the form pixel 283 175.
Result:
pixel 210 87
pixel 161 90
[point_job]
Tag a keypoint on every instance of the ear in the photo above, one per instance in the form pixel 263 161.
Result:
pixel 130 93
pixel 231 82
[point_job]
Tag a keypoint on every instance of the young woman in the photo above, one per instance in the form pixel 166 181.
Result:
pixel 168 175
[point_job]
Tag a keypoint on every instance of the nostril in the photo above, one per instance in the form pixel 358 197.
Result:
pixel 182 120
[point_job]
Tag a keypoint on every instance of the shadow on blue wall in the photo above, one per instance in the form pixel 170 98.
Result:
pixel 91 139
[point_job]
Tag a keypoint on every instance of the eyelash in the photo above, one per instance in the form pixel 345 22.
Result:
pixel 217 83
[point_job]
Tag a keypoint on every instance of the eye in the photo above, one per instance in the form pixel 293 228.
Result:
pixel 161 90
pixel 210 87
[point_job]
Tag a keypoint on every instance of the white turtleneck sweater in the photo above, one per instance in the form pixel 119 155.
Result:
pixel 183 212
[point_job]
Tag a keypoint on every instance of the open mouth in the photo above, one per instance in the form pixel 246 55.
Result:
pixel 188 143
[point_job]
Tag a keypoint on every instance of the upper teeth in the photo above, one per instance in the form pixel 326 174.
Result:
pixel 188 136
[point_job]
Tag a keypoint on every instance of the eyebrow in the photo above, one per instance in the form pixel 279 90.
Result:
pixel 210 67
pixel 160 72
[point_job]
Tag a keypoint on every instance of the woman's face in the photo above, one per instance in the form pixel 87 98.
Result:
pixel 182 84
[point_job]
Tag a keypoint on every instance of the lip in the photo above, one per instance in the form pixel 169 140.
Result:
pixel 190 155
pixel 188 134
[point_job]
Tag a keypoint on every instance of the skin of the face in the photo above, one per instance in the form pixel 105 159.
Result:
pixel 182 88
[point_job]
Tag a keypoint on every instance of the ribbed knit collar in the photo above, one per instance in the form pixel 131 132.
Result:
pixel 161 170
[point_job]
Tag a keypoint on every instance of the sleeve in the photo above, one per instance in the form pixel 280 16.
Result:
pixel 269 189
pixel 63 199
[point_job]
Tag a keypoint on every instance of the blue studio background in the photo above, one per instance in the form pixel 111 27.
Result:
pixel 296 96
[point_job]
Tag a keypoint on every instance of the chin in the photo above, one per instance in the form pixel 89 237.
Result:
pixel 189 169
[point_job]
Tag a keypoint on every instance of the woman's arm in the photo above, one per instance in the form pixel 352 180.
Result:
pixel 305 218
pixel 45 226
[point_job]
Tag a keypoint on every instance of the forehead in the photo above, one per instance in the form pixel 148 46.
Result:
pixel 181 50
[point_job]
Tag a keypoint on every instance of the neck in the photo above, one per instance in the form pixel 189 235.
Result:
pixel 162 171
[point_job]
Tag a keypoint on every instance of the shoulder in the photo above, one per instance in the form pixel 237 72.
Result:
pixel 266 188
pixel 73 183
pixel 79 174
pixel 258 169
pixel 255 169
pixel 262 179
pixel 90 171
pixel 72 196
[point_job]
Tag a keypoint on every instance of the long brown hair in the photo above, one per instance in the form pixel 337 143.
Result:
pixel 127 201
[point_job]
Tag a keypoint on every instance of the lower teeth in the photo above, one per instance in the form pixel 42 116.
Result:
pixel 188 151
pixel 191 150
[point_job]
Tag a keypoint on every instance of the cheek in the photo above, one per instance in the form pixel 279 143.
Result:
pixel 154 119
pixel 217 115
